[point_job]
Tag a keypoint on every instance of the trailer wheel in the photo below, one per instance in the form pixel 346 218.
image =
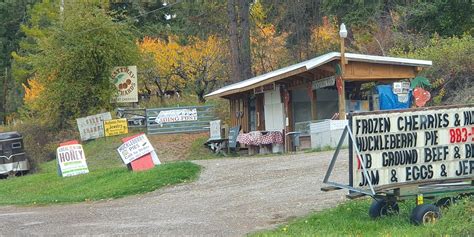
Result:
pixel 424 214
pixel 445 202
pixel 381 207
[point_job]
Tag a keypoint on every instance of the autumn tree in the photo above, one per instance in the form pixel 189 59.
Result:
pixel 73 62
pixel 158 65
pixel 325 37
pixel 269 50
pixel 203 65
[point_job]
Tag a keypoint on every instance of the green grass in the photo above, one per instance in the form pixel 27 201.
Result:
pixel 352 219
pixel 199 152
pixel 108 179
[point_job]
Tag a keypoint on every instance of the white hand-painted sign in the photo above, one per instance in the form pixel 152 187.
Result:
pixel 135 148
pixel 215 130
pixel 71 160
pixel 92 127
pixel 414 146
pixel 176 115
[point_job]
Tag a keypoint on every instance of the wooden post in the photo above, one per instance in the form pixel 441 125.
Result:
pixel 342 95
pixel 314 109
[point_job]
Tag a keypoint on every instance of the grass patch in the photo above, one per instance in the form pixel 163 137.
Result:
pixel 200 152
pixel 108 179
pixel 352 219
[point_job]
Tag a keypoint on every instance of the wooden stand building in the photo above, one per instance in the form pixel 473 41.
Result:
pixel 288 99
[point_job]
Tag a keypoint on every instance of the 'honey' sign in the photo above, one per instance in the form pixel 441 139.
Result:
pixel 414 146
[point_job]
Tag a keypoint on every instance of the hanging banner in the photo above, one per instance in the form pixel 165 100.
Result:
pixel 71 160
pixel 92 127
pixel 125 80
pixel 135 148
pixel 414 146
pixel 115 127
pixel 176 115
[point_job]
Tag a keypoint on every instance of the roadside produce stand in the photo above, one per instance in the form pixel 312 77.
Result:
pixel 423 153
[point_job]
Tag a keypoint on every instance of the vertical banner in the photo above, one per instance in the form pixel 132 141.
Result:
pixel 92 127
pixel 215 130
pixel 125 80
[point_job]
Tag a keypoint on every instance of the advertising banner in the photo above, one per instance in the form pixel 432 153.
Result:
pixel 92 127
pixel 414 146
pixel 71 160
pixel 176 115
pixel 115 127
pixel 135 148
pixel 125 80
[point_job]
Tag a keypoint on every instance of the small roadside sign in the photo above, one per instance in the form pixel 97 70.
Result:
pixel 71 160
pixel 115 127
pixel 135 148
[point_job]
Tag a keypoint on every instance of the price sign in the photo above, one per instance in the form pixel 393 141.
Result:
pixel 414 146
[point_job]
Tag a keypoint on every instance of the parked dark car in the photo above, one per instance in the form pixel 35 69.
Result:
pixel 13 159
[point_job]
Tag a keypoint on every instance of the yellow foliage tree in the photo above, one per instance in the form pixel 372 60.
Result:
pixel 268 47
pixel 325 38
pixel 159 62
pixel 202 66
pixel 34 91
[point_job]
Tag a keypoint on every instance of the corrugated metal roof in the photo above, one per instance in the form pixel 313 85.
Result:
pixel 313 63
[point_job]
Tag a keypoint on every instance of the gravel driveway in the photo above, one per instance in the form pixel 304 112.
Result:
pixel 231 198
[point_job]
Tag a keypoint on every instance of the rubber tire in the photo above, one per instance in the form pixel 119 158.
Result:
pixel 445 202
pixel 419 212
pixel 381 207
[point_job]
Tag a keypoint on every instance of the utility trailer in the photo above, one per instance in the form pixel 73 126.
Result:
pixel 422 154
pixel 13 159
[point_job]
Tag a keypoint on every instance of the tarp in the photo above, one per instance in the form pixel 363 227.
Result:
pixel 389 100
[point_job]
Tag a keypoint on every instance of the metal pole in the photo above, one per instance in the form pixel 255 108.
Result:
pixel 4 99
pixel 61 9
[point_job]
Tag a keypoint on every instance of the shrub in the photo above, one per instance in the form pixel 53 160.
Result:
pixel 40 139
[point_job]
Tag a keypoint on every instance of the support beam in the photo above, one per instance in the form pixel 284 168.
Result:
pixel 342 94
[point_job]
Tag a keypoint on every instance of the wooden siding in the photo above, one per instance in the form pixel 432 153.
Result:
pixel 362 71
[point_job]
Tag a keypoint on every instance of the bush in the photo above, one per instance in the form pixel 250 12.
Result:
pixel 452 70
pixel 40 140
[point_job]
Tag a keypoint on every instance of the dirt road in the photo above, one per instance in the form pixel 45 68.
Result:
pixel 231 198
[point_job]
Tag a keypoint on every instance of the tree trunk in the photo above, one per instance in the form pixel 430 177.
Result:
pixel 245 60
pixel 238 12
pixel 234 42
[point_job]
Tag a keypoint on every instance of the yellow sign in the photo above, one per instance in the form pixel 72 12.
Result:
pixel 115 127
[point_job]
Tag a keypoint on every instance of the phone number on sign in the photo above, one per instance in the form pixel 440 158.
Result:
pixel 457 135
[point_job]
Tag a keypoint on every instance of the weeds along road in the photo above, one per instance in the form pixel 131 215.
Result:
pixel 232 197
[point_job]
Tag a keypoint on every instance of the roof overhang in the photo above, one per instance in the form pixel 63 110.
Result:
pixel 298 68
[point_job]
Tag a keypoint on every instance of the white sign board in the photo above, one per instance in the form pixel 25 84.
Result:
pixel 135 148
pixel 125 80
pixel 414 146
pixel 92 127
pixel 325 82
pixel 215 130
pixel 71 160
pixel 176 115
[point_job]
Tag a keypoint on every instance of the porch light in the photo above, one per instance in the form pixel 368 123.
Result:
pixel 343 31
